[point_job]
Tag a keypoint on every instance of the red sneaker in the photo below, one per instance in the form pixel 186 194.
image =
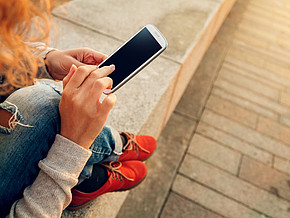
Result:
pixel 122 176
pixel 138 147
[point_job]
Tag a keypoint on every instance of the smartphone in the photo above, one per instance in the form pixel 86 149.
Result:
pixel 134 55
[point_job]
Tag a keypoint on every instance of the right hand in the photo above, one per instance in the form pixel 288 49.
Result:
pixel 83 116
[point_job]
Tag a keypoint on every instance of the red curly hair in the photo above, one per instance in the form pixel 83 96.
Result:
pixel 21 21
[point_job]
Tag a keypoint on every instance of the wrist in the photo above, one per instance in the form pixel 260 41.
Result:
pixel 82 143
pixel 47 59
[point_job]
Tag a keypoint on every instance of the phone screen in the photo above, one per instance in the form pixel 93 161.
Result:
pixel 132 55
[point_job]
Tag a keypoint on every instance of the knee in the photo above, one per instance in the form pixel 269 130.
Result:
pixel 37 105
pixel 36 97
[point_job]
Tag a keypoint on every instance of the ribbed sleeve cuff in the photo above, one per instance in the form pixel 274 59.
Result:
pixel 66 157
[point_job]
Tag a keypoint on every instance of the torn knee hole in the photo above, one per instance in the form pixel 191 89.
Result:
pixel 9 118
pixel 5 117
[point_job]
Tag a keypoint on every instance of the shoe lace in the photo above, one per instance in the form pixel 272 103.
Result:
pixel 114 167
pixel 132 143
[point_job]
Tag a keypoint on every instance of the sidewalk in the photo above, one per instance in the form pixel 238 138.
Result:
pixel 225 151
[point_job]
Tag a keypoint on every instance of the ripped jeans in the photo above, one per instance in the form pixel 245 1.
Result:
pixel 22 147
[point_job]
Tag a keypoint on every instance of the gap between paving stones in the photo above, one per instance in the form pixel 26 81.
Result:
pixel 243 156
pixel 205 212
pixel 252 212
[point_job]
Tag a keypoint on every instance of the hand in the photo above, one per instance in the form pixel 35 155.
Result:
pixel 82 114
pixel 59 62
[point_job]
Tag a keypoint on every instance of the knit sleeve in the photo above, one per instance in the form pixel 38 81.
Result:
pixel 50 193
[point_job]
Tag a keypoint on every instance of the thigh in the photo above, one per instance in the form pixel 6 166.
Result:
pixel 21 149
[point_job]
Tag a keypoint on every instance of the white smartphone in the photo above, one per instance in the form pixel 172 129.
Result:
pixel 134 55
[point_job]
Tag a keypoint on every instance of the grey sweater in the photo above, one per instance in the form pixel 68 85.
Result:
pixel 50 193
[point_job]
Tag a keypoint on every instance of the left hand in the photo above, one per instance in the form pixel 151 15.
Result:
pixel 59 62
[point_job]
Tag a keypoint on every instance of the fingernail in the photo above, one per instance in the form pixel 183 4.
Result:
pixel 112 66
pixel 72 69
pixel 73 66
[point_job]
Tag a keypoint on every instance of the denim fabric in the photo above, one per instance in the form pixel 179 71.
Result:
pixel 23 147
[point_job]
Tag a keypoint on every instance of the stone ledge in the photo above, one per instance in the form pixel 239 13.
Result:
pixel 147 101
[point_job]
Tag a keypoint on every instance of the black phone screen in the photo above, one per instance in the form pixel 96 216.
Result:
pixel 132 55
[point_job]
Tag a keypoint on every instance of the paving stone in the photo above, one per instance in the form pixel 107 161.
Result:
pixel 148 198
pixel 274 129
pixel 260 42
pixel 275 8
pixel 266 14
pixel 177 206
pixel 265 22
pixel 260 73
pixel 285 120
pixel 244 37
pixel 232 111
pixel 285 99
pixel 258 59
pixel 253 85
pixel 230 186
pixel 273 55
pixel 251 136
pixel 210 199
pixel 245 72
pixel 256 28
pixel 234 143
pixel 252 96
pixel 277 37
pixel 265 177
pixel 242 102
pixel 282 164
pixel 215 153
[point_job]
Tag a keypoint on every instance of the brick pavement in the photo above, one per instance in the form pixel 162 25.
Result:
pixel 238 161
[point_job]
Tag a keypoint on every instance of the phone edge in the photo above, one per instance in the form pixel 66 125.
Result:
pixel 163 47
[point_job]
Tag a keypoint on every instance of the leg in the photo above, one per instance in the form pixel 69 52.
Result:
pixel 23 147
pixel 107 147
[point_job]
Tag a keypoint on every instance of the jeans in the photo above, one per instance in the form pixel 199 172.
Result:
pixel 22 147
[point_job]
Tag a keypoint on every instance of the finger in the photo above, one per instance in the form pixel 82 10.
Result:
pixel 98 74
pixel 69 75
pixel 80 76
pixel 105 71
pixel 99 87
pixel 76 62
pixel 99 57
pixel 87 56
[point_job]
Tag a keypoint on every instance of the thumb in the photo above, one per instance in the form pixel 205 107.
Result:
pixel 76 62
